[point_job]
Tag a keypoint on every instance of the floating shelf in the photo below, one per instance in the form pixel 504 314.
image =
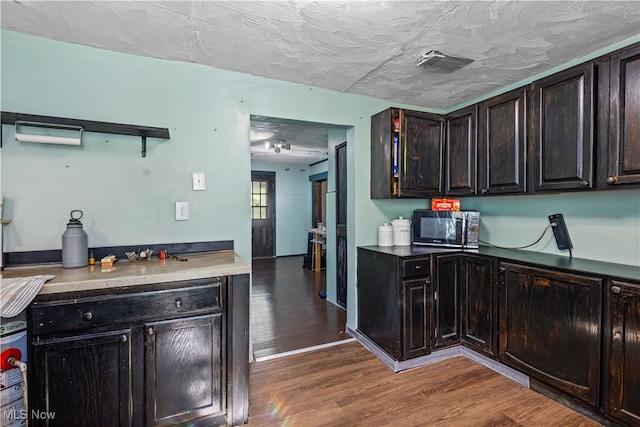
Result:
pixel 9 118
pixel 5 221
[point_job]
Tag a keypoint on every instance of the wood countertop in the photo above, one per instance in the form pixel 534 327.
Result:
pixel 126 273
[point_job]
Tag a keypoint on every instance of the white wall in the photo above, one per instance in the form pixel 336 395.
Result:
pixel 293 205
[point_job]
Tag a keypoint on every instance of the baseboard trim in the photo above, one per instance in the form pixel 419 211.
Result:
pixel 303 350
pixel 439 356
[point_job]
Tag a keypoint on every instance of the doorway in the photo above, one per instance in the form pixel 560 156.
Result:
pixel 262 214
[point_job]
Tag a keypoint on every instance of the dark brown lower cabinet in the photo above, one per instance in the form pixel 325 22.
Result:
pixel 550 328
pixel 394 302
pixel 478 327
pixel 152 355
pixel 624 360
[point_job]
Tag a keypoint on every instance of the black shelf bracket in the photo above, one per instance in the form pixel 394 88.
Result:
pixel 9 118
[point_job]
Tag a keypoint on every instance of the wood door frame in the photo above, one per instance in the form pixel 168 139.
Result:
pixel 341 229
pixel 269 175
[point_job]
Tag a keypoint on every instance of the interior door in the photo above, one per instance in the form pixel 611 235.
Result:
pixel 262 214
pixel 341 224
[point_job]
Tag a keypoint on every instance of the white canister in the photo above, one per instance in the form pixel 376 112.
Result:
pixel 401 231
pixel 385 235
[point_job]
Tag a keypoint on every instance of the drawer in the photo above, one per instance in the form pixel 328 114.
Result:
pixel 416 267
pixel 137 307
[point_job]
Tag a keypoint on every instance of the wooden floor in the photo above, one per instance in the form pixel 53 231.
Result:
pixel 286 312
pixel 345 385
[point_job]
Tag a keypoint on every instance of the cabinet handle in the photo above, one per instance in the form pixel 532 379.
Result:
pixel 418 267
pixel 584 183
pixel 123 338
pixel 502 269
pixel 616 289
pixel 87 316
pixel 484 191
pixel 178 303
pixel 612 180
pixel 150 331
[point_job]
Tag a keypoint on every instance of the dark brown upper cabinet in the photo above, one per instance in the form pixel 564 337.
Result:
pixel 406 154
pixel 624 118
pixel 461 152
pixel 563 130
pixel 502 140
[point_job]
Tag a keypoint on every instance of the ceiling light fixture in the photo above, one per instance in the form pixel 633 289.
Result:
pixel 438 61
pixel 277 145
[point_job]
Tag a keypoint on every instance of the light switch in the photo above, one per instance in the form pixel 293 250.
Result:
pixel 199 181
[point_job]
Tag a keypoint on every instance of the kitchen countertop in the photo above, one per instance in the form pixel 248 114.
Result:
pixel 126 273
pixel 577 265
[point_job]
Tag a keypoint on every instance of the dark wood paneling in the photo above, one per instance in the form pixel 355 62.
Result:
pixel 563 129
pixel 461 148
pixel 502 141
pixel 624 360
pixel 550 325
pixel 446 301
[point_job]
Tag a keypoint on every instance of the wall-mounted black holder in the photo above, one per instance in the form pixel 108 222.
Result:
pixel 9 118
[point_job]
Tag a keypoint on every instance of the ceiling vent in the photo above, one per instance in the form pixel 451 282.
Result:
pixel 439 62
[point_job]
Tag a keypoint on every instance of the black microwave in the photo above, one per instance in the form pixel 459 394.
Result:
pixel 455 229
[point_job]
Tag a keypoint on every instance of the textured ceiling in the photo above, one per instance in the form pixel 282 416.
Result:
pixel 362 47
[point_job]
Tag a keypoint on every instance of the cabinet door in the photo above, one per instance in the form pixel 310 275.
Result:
pixel 502 144
pixel 461 143
pixel 416 309
pixel 563 129
pixel 83 379
pixel 624 368
pixel 624 125
pixel 420 168
pixel 184 372
pixel 478 296
pixel 446 301
pixel 550 327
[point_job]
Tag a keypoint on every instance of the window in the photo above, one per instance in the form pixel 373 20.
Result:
pixel 259 199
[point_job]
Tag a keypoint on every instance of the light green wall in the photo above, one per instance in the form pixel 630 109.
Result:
pixel 293 205
pixel 129 200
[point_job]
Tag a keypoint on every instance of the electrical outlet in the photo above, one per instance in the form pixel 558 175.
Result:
pixel 199 181
pixel 182 211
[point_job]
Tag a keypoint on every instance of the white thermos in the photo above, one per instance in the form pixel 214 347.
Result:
pixel 385 235
pixel 401 231
pixel 75 248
